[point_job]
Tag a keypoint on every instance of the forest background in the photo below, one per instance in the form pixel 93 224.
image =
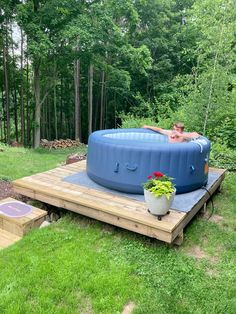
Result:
pixel 80 66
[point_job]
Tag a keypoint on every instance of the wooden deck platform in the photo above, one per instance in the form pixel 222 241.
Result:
pixel 120 211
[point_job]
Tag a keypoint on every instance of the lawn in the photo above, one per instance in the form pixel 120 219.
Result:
pixel 18 162
pixel 79 265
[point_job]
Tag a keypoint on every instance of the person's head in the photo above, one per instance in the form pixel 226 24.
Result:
pixel 178 126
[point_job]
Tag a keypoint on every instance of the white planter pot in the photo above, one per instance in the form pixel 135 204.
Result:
pixel 158 206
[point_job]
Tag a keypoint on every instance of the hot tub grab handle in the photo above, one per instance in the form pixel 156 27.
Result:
pixel 116 167
pixel 131 168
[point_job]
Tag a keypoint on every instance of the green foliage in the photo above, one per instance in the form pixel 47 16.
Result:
pixel 160 188
pixel 210 103
pixel 161 61
pixel 140 58
pixel 222 156
pixel 142 108
pixel 118 80
pixel 159 184
pixel 129 121
pixel 224 132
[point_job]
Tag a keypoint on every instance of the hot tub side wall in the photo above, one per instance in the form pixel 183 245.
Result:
pixel 124 165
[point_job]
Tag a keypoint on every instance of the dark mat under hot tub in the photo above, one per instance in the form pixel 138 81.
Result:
pixel 182 202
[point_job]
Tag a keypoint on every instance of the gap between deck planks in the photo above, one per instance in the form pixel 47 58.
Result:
pixel 118 210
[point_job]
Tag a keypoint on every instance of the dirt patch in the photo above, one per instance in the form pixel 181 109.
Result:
pixel 212 273
pixel 213 218
pixel 109 229
pixel 85 304
pixel 6 190
pixel 197 252
pixel 216 219
pixel 128 308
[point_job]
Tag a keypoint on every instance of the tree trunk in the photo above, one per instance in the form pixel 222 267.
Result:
pixel 2 116
pixel 15 91
pixel 46 120
pixel 90 99
pixel 22 92
pixel 95 115
pixel 37 113
pixel 77 100
pixel 6 81
pixel 37 105
pixel 102 101
pixel 49 121
pixel 105 111
pixel 61 111
pixel 28 126
pixel 55 101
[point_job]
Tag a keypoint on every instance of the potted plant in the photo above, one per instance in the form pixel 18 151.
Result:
pixel 159 192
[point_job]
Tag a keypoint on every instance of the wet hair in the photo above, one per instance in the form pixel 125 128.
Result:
pixel 179 125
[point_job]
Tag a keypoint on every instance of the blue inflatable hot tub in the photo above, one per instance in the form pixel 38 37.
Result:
pixel 122 159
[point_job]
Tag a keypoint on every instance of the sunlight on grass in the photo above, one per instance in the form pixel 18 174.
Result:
pixel 19 162
pixel 66 264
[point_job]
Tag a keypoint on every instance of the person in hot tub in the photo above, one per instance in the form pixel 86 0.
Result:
pixel 177 134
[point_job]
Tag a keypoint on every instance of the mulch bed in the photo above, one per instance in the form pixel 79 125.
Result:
pixel 6 190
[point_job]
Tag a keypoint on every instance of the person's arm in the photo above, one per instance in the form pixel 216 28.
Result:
pixel 156 129
pixel 188 135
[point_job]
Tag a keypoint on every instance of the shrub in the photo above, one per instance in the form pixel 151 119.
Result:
pixel 130 121
pixel 222 156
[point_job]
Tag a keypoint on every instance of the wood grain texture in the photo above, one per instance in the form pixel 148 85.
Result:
pixel 7 238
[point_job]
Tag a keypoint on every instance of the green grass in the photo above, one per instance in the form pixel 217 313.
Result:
pixel 79 265
pixel 18 162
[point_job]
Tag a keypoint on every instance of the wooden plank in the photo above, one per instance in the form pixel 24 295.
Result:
pixel 124 211
pixel 7 238
pixel 77 165
pixel 100 215
pixel 139 206
pixel 48 180
pixel 179 239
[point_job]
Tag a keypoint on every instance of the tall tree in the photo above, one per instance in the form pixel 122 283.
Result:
pixel 6 78
pixel 90 98
pixel 22 108
pixel 14 88
pixel 77 98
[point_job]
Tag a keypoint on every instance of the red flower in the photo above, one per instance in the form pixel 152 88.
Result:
pixel 149 177
pixel 158 174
